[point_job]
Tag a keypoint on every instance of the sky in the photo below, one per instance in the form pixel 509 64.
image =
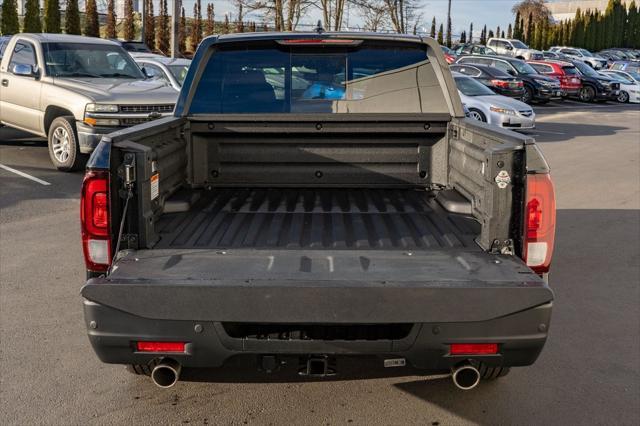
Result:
pixel 463 12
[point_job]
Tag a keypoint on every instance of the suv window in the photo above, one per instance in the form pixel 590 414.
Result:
pixel 492 43
pixel 571 52
pixel 3 45
pixel 542 68
pixel 23 54
pixel 502 66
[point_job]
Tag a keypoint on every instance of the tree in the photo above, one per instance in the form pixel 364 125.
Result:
pixel 463 37
pixel 534 10
pixel 52 16
pixel 448 40
pixel 111 19
pixel 128 28
pixel 182 33
pixel 286 13
pixel 433 28
pixel 440 35
pixel 537 35
pixel 209 27
pixel 530 29
pixel 149 25
pixel 226 26
pixel 491 35
pixel 72 18
pixel 91 23
pixel 374 14
pixel 498 31
pixel 196 25
pixel 509 31
pixel 483 35
pixel 240 17
pixel 163 32
pixel 471 32
pixel 10 23
pixel 32 22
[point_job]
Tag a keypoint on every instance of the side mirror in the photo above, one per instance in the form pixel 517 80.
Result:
pixel 148 73
pixel 23 70
pixel 508 47
pixel 511 72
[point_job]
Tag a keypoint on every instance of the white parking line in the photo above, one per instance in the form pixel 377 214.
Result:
pixel 24 175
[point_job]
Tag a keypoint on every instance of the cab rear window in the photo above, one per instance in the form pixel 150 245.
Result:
pixel 274 78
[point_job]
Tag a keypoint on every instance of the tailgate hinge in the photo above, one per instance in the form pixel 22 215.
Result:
pixel 502 247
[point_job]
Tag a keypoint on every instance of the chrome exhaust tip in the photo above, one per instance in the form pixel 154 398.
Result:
pixel 465 376
pixel 166 373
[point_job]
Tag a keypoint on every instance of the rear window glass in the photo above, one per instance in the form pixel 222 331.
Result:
pixel 272 78
pixel 570 70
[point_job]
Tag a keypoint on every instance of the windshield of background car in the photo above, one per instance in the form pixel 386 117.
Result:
pixel 367 77
pixel 570 71
pixel 89 60
pixel 585 52
pixel 519 45
pixel 586 69
pixel 470 87
pixel 179 72
pixel 523 67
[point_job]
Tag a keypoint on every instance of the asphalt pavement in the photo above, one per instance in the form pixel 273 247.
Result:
pixel 588 373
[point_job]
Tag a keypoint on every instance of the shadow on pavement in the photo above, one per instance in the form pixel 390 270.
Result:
pixel 562 132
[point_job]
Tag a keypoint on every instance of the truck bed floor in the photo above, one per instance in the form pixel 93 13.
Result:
pixel 317 219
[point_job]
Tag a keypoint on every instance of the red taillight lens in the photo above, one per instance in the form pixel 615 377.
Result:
pixel 160 346
pixel 308 41
pixel 500 83
pixel 473 348
pixel 539 222
pixel 94 217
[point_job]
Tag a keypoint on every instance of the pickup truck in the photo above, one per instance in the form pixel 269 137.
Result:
pixel 72 90
pixel 318 196
pixel 514 48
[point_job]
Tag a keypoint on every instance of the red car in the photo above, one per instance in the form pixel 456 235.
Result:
pixel 566 72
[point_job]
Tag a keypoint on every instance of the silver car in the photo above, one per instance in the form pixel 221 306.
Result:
pixel 487 106
pixel 169 70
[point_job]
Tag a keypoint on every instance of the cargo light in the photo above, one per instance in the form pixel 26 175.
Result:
pixel 319 41
pixel 539 222
pixel 95 222
pixel 473 348
pixel 160 347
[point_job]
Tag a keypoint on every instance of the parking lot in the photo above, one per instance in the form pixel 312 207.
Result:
pixel 588 372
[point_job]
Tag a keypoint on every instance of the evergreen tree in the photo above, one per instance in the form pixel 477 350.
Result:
pixel 91 23
pixel 149 25
pixel 509 31
pixel 530 29
pixel 110 31
pixel 433 28
pixel 32 22
pixel 163 35
pixel 471 32
pixel 10 23
pixel 196 26
pixel 182 33
pixel 463 37
pixel 498 31
pixel 516 31
pixel 209 27
pixel 226 26
pixel 448 39
pixel 537 35
pixel 502 36
pixel 441 35
pixel 483 35
pixel 128 28
pixel 72 18
pixel 633 26
pixel 52 16
pixel 491 35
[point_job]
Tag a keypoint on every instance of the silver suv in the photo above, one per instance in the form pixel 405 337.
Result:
pixel 73 90
pixel 596 62
pixel 514 48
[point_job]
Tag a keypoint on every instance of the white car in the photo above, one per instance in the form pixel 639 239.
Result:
pixel 629 85
pixel 514 48
pixel 171 70
pixel 594 61
pixel 487 106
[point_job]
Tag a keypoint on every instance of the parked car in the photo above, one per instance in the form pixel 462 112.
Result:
pixel 449 55
pixel 610 56
pixel 583 55
pixel 495 79
pixel 513 48
pixel 595 86
pixel 4 40
pixel 487 106
pixel 565 72
pixel 309 228
pixel 537 87
pixel 135 48
pixel 170 70
pixel 556 56
pixel 629 86
pixel 626 66
pixel 73 90
pixel 473 49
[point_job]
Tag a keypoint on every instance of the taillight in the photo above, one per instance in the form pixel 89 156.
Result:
pixel 473 348
pixel 539 222
pixel 500 83
pixel 94 217
pixel 160 347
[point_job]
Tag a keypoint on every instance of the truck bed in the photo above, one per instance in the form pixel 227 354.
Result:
pixel 363 219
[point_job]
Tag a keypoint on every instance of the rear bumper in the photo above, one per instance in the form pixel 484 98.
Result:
pixel 89 137
pixel 521 337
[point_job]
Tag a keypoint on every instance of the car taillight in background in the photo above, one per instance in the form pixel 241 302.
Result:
pixel 449 58
pixel 94 218
pixel 539 222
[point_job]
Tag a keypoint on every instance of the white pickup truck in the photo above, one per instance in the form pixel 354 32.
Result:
pixel 514 48
pixel 73 90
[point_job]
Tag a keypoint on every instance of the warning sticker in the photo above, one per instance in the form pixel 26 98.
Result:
pixel 155 186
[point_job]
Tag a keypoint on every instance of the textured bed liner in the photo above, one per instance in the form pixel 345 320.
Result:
pixel 317 219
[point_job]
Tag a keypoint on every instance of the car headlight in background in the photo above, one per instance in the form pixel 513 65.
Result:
pixel 102 121
pixel 101 108
pixel 502 110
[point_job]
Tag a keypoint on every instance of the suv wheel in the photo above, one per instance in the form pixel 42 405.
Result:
pixel 587 94
pixel 623 97
pixel 528 95
pixel 64 149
